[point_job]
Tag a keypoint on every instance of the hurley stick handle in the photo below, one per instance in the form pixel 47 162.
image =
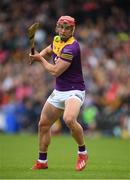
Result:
pixel 32 51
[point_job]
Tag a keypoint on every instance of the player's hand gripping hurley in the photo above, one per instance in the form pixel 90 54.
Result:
pixel 31 34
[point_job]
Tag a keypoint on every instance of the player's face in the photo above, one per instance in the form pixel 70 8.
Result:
pixel 65 31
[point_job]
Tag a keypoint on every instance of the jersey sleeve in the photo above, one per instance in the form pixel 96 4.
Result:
pixel 67 54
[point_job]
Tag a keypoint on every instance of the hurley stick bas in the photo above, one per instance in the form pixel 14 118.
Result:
pixel 31 34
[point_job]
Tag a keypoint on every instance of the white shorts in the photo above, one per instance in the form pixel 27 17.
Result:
pixel 58 98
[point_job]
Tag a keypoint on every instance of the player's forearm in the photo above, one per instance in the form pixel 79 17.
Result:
pixel 46 53
pixel 52 69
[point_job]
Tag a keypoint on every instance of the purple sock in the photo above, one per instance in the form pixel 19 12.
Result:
pixel 42 156
pixel 82 148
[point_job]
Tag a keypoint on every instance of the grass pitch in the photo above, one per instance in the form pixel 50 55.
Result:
pixel 109 158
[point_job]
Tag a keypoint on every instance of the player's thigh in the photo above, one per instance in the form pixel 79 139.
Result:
pixel 72 108
pixel 50 114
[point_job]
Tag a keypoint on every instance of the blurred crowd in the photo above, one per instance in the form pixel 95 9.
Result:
pixel 103 31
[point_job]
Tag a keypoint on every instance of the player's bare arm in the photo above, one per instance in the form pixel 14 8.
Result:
pixel 47 52
pixel 55 69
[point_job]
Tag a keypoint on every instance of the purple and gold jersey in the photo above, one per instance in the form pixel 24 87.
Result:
pixel 72 78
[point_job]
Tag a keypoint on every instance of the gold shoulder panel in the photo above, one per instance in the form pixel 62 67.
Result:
pixel 58 45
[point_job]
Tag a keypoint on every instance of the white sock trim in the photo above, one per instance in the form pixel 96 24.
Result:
pixel 42 161
pixel 82 152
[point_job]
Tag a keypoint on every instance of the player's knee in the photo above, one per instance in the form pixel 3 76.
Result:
pixel 69 120
pixel 43 125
